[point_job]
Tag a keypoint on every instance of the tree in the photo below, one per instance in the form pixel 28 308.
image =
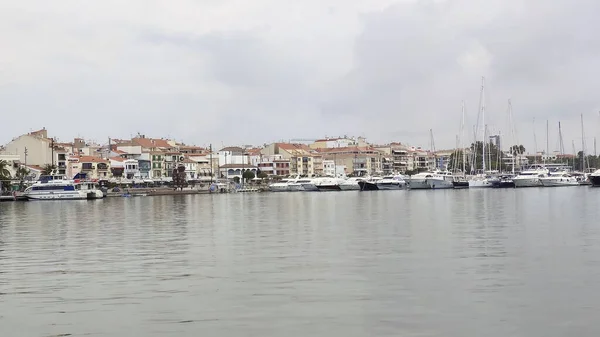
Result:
pixel 494 158
pixel 48 169
pixel 456 161
pixel 517 149
pixel 248 175
pixel 236 179
pixel 4 174
pixel 262 175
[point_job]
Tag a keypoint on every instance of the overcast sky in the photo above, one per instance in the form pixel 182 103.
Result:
pixel 252 72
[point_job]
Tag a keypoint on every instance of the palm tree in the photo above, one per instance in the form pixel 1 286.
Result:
pixel 4 175
pixel 21 173
pixel 4 172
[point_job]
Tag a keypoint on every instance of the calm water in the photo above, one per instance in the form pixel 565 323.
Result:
pixel 522 262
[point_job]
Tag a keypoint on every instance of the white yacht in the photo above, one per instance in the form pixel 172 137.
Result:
pixel 307 184
pixel 530 177
pixel 559 179
pixel 440 180
pixel 286 185
pixel 351 184
pixel 59 188
pixel 419 181
pixel 395 182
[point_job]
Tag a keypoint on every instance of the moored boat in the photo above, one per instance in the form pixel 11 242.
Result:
pixel 54 187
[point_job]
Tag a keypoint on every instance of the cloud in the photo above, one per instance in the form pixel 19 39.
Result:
pixel 239 72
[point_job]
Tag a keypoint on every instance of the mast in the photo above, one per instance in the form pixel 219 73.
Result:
pixel 547 144
pixel 534 143
pixel 483 120
pixel 560 140
pixel 512 131
pixel 574 155
pixel 582 147
pixel 211 164
pixel 462 140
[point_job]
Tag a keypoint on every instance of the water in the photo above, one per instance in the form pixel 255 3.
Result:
pixel 515 262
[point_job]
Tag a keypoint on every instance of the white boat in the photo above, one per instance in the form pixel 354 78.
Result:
pixel 530 177
pixel 481 181
pixel 561 179
pixel 59 188
pixel 395 182
pixel 440 180
pixel 351 184
pixel 329 184
pixel 307 184
pixel 287 185
pixel 419 181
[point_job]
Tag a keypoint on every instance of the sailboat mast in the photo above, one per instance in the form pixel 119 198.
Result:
pixel 547 144
pixel 534 143
pixel 483 120
pixel 512 131
pixel 462 139
pixel 582 147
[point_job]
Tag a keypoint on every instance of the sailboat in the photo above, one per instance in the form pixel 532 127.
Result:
pixel 481 180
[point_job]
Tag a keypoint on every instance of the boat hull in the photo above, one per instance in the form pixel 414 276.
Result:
pixel 485 183
pixel 418 184
pixel 350 187
pixel 503 184
pixel 460 184
pixel 367 186
pixel 528 182
pixel 558 182
pixel 437 184
pixel 329 187
pixel 389 186
pixel 66 195
pixel 595 180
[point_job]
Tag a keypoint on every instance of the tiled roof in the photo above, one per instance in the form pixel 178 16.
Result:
pixel 35 167
pixel 119 159
pixel 151 142
pixel 290 147
pixel 91 159
pixel 232 149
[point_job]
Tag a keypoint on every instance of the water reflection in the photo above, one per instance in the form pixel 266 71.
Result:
pixel 515 262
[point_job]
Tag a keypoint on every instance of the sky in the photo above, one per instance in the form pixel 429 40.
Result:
pixel 235 72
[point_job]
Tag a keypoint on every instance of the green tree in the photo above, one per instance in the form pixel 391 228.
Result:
pixel 517 149
pixel 262 175
pixel 494 158
pixel 48 169
pixel 236 179
pixel 455 162
pixel 248 175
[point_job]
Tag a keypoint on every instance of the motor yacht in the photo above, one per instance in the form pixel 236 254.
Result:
pixel 559 179
pixel 57 187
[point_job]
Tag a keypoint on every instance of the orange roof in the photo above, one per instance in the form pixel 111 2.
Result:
pixel 117 159
pixel 35 167
pixel 151 142
pixel 91 159
pixel 119 151
pixel 294 147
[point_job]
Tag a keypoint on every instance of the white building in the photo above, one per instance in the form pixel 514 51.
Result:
pixel 232 155
pixel 330 169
